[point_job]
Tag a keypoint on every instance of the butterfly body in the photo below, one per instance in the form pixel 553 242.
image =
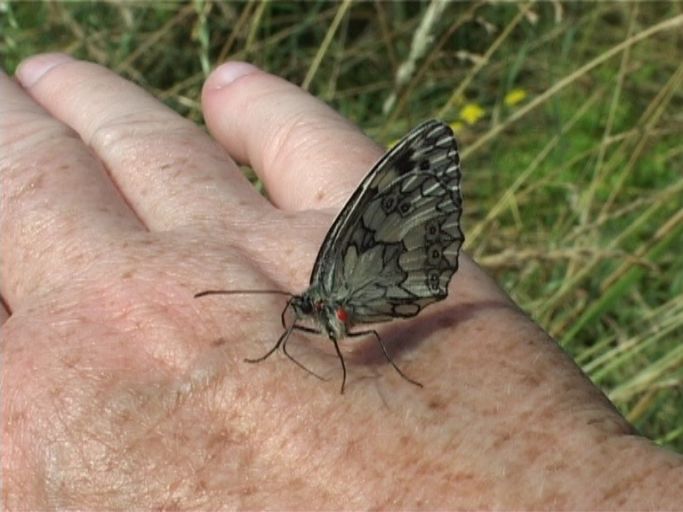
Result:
pixel 331 317
pixel 328 315
pixel 393 248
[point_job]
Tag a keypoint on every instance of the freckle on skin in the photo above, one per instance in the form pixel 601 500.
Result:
pixel 37 183
pixel 320 195
pixel 436 404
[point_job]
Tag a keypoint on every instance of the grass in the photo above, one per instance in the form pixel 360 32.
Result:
pixel 568 114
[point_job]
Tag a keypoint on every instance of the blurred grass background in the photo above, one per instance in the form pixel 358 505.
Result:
pixel 569 117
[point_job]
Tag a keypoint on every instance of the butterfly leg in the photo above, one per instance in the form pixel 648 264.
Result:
pixel 386 354
pixel 284 312
pixel 281 341
pixel 343 364
pixel 300 365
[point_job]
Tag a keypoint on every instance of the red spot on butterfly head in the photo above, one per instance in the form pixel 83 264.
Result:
pixel 342 315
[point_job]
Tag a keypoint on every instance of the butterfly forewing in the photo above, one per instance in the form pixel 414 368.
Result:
pixel 394 247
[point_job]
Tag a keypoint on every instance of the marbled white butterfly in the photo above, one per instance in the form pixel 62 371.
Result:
pixel 391 251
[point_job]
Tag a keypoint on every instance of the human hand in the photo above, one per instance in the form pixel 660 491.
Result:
pixel 121 390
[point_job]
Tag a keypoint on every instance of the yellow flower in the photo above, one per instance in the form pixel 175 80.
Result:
pixel 456 126
pixel 514 96
pixel 471 113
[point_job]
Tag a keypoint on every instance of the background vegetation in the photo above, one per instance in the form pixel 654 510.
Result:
pixel 569 115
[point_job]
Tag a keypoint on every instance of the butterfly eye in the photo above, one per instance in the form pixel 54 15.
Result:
pixel 304 306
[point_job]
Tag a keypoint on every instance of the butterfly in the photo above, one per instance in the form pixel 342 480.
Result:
pixel 391 251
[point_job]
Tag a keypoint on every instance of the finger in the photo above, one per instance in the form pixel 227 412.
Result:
pixel 57 205
pixel 307 155
pixel 167 168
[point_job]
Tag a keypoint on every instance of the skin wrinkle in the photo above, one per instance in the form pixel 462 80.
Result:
pixel 36 134
pixel 296 135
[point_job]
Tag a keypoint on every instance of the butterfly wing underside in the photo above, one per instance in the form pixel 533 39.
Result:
pixel 394 247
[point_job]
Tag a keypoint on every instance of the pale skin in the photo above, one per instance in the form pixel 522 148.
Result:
pixel 121 390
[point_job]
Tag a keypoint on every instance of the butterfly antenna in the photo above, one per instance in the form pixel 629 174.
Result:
pixel 241 292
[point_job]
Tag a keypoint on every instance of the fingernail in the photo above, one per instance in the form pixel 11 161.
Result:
pixel 229 72
pixel 31 70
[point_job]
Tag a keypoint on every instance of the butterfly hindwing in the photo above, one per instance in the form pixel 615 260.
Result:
pixel 394 247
